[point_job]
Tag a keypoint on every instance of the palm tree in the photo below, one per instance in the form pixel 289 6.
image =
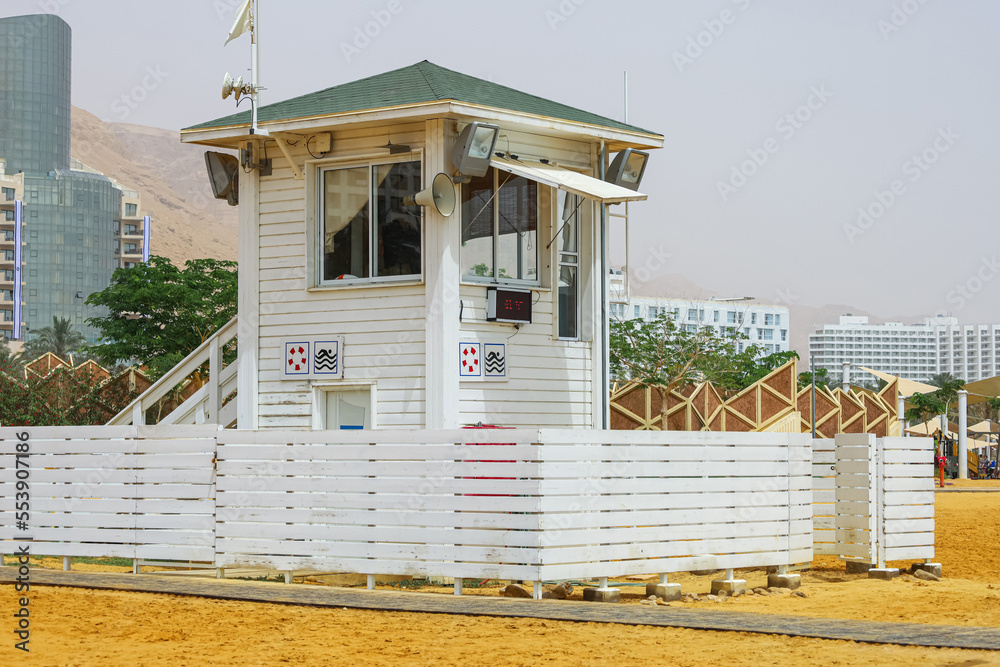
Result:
pixel 942 379
pixel 949 386
pixel 60 339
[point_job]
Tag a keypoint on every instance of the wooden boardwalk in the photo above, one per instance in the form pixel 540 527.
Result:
pixel 907 634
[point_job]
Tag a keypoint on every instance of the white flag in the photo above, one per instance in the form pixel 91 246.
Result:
pixel 243 23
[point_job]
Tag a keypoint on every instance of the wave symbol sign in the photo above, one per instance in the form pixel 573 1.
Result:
pixel 326 360
pixel 495 362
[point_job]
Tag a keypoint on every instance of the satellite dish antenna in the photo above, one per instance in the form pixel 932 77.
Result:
pixel 227 85
pixel 440 194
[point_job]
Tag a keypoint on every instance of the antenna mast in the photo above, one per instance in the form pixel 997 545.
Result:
pixel 254 64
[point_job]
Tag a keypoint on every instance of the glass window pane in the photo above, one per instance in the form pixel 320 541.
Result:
pixel 345 224
pixel 398 227
pixel 477 227
pixel 568 210
pixel 517 227
pixel 568 306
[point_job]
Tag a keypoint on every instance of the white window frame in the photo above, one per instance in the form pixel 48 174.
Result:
pixel 559 263
pixel 315 221
pixel 319 398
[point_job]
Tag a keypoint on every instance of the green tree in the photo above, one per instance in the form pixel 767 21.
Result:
pixel 10 363
pixel 159 313
pixel 823 379
pixel 923 407
pixel 948 387
pixel 750 366
pixel 61 339
pixel 663 355
pixel 63 397
pixel 993 408
pixel 942 379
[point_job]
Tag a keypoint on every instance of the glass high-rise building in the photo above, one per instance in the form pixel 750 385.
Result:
pixel 35 73
pixel 72 217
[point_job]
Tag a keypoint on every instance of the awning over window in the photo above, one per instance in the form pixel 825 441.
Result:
pixel 570 181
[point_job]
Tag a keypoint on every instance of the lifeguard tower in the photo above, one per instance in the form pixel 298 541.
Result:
pixel 423 249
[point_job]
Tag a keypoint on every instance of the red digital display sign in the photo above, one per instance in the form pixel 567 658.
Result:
pixel 508 305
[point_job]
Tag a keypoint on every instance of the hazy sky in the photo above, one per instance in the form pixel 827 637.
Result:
pixel 783 119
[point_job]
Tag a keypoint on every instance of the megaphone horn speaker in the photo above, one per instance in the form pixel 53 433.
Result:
pixel 440 195
pixel 227 85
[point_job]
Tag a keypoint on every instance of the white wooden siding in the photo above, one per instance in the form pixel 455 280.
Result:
pixel 551 381
pixel 383 326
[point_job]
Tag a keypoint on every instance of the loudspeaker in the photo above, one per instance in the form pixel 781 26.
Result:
pixel 227 85
pixel 441 195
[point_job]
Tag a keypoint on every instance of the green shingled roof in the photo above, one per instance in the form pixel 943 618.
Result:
pixel 423 82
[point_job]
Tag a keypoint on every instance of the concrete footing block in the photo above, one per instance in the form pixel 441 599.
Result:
pixel 883 573
pixel 854 567
pixel 666 592
pixel 791 581
pixel 731 587
pixel 933 568
pixel 602 594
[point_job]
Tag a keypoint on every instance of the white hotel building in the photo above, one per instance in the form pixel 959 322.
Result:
pixel 765 325
pixel 913 351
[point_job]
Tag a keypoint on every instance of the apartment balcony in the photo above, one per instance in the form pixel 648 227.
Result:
pixel 129 257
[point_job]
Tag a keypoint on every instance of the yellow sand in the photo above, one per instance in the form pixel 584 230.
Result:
pixel 81 627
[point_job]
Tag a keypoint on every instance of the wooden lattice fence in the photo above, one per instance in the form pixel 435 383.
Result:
pixel 771 404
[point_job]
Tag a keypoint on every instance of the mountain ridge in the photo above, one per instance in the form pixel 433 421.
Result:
pixel 171 179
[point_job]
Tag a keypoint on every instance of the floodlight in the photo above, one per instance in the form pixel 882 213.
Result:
pixel 223 175
pixel 473 149
pixel 627 169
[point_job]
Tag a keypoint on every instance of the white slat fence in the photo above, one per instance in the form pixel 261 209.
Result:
pixel 884 498
pixel 908 502
pixel 551 504
pixel 540 505
pixel 548 504
pixel 115 491
pixel 824 458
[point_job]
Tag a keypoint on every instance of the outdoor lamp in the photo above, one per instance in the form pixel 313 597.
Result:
pixel 627 168
pixel 473 149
